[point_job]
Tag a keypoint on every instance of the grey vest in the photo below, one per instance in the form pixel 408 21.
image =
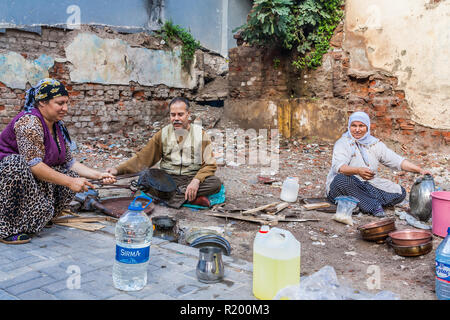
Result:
pixel 184 158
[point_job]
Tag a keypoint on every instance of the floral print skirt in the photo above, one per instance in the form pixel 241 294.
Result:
pixel 27 204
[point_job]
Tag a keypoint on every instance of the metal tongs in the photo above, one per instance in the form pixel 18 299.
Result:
pixel 131 186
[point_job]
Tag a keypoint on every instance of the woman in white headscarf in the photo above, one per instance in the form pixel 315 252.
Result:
pixel 356 157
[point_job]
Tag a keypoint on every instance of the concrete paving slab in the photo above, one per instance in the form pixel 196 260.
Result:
pixel 71 264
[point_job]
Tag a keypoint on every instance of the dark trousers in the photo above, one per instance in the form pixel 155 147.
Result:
pixel 371 198
pixel 209 186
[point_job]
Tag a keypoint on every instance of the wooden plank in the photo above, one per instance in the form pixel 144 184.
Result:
pixel 267 219
pixel 260 208
pixel 318 205
pixel 238 217
pixel 82 225
pixel 278 208
pixel 82 219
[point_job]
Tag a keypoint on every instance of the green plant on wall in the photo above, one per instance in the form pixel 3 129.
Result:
pixel 171 32
pixel 305 26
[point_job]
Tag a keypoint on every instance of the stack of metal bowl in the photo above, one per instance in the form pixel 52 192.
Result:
pixel 377 231
pixel 411 242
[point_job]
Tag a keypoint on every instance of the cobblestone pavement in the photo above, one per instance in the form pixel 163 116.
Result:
pixel 62 263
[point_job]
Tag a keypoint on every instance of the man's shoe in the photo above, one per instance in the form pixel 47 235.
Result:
pixel 201 201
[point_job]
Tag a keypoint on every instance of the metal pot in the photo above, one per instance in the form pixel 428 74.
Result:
pixel 157 183
pixel 420 197
pixel 377 231
pixel 410 237
pixel 411 251
pixel 210 268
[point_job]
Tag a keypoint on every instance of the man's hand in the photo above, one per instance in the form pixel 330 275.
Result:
pixel 107 178
pixel 191 190
pixel 366 173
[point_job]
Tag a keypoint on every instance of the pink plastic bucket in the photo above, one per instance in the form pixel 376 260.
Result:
pixel 440 205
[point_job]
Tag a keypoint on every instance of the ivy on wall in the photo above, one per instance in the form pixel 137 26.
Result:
pixel 171 32
pixel 302 26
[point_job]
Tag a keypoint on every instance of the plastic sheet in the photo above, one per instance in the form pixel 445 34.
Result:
pixel 324 285
pixel 412 220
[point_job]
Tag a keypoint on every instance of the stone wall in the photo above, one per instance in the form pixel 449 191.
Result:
pixel 333 88
pixel 101 106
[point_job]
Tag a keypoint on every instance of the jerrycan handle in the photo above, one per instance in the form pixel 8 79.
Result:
pixel 279 234
pixel 141 196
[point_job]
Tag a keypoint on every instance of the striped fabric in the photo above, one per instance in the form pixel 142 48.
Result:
pixel 372 200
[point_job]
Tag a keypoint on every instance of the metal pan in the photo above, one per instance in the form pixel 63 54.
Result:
pixel 411 251
pixel 410 237
pixel 377 231
pixel 119 205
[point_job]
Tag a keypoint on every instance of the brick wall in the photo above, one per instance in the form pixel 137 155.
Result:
pixel 254 73
pixel 94 108
pixel 253 76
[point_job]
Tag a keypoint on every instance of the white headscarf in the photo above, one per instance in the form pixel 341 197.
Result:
pixel 365 141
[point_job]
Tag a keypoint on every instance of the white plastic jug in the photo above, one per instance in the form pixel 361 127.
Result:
pixel 276 262
pixel 289 190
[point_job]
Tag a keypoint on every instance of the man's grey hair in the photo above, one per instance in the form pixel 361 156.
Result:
pixel 180 99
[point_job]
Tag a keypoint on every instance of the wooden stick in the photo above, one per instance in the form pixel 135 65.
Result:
pixel 278 208
pixel 82 225
pixel 260 208
pixel 238 217
pixel 262 221
pixel 82 219
pixel 317 205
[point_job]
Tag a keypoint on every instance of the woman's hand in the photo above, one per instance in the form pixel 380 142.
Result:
pixel 411 167
pixel 80 185
pixel 425 171
pixel 107 178
pixel 366 173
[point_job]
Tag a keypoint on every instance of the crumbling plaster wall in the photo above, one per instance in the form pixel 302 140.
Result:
pixel 116 81
pixel 411 40
pixel 315 104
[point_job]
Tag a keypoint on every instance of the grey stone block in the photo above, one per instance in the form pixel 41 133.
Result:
pixel 6 296
pixel 74 294
pixel 55 286
pixel 29 285
pixel 20 279
pixel 36 294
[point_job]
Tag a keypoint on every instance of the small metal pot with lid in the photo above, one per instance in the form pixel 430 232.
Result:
pixel 420 197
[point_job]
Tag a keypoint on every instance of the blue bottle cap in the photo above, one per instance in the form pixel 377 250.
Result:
pixel 137 205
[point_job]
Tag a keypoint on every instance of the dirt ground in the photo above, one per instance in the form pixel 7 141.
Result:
pixel 324 242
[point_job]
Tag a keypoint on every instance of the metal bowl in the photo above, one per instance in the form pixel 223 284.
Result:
pixel 410 237
pixel 213 241
pixel 411 251
pixel 377 231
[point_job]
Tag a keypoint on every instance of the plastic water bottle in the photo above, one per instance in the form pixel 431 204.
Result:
pixel 289 190
pixel 134 232
pixel 443 269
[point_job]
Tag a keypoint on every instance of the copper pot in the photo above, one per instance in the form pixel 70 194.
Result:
pixel 377 231
pixel 410 237
pixel 411 251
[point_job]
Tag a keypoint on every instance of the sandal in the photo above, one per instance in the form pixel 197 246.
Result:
pixel 16 239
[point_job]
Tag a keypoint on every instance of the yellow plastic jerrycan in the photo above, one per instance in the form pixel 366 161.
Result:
pixel 276 262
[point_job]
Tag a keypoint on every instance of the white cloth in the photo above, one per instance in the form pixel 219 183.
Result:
pixel 344 152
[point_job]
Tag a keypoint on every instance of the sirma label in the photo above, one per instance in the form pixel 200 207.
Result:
pixel 443 271
pixel 132 255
